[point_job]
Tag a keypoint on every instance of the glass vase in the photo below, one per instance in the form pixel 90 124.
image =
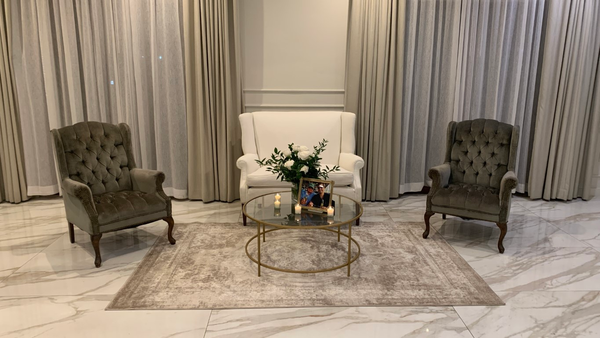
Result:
pixel 295 190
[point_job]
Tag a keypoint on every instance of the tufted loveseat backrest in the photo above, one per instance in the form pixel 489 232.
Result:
pixel 96 154
pixel 481 151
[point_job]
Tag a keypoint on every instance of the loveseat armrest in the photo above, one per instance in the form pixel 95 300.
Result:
pixel 148 181
pixel 247 164
pixel 508 183
pixel 81 192
pixel 351 162
pixel 440 176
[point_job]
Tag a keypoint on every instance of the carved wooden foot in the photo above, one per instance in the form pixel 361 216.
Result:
pixel 71 233
pixel 443 216
pixel 503 229
pixel 243 215
pixel 96 245
pixel 171 224
pixel 428 215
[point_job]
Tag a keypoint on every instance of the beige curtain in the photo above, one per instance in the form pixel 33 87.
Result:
pixel 415 65
pixel 566 143
pixel 374 87
pixel 214 98
pixel 12 172
pixel 111 61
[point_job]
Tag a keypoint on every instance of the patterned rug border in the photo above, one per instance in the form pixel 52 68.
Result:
pixel 456 258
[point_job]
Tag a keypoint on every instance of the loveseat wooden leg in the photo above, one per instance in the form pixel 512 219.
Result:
pixel 443 216
pixel 358 221
pixel 96 244
pixel 503 227
pixel 428 215
pixel 171 224
pixel 243 215
pixel 71 233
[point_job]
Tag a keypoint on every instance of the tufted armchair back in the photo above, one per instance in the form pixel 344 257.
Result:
pixel 96 154
pixel 481 151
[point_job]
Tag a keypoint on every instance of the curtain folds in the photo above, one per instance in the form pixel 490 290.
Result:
pixel 111 61
pixel 413 66
pixel 374 86
pixel 214 98
pixel 566 143
pixel 12 173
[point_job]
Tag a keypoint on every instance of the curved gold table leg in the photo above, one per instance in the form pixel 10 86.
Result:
pixel 349 245
pixel 258 243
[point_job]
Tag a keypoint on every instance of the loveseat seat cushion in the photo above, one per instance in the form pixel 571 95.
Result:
pixel 466 196
pixel 264 178
pixel 121 205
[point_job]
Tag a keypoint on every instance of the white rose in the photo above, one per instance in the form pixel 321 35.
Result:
pixel 304 169
pixel 304 155
pixel 286 152
pixel 295 148
pixel 303 148
pixel 289 164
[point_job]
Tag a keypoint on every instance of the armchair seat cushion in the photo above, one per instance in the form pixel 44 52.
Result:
pixel 126 204
pixel 466 196
pixel 264 178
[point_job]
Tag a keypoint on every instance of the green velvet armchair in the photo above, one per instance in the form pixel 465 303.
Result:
pixel 102 189
pixel 477 178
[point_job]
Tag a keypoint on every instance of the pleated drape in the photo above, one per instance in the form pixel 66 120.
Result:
pixel 214 98
pixel 566 143
pixel 374 86
pixel 413 66
pixel 12 172
pixel 111 61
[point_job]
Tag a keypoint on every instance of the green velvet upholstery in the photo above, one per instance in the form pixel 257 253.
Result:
pixel 477 178
pixel 102 188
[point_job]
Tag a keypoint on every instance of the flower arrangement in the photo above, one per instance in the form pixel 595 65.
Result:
pixel 296 162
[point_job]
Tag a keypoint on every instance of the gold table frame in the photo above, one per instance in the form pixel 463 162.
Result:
pixel 327 227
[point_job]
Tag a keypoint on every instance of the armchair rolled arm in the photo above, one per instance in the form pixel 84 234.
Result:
pixel 148 181
pixel 351 162
pixel 81 192
pixel 508 183
pixel 440 176
pixel 247 164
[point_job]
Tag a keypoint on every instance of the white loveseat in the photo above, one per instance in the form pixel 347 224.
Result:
pixel 264 131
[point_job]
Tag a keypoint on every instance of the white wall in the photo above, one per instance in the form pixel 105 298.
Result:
pixel 293 53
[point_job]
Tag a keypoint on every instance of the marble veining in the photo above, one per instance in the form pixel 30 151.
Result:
pixel 549 278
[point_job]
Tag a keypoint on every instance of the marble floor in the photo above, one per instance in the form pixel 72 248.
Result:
pixel 549 278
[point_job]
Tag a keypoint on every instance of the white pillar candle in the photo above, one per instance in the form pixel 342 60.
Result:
pixel 330 211
pixel 277 197
pixel 298 209
pixel 277 204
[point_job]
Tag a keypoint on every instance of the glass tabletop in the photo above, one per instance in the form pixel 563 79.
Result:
pixel 262 209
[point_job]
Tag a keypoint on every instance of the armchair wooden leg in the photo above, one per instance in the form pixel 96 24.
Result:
pixel 171 224
pixel 443 216
pixel 503 227
pixel 358 221
pixel 96 244
pixel 243 215
pixel 71 233
pixel 428 215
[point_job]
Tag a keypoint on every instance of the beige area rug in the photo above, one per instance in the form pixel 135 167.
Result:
pixel 208 269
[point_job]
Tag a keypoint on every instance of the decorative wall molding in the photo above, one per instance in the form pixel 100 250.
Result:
pixel 299 106
pixel 294 91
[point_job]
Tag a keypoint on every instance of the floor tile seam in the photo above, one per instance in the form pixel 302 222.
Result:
pixel 29 260
pixel 207 323
pixel 564 232
pixel 463 321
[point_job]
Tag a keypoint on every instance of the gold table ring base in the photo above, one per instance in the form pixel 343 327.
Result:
pixel 302 271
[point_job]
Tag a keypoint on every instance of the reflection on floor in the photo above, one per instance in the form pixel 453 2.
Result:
pixel 549 278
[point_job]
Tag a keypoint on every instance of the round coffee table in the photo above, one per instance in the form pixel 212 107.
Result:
pixel 262 210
